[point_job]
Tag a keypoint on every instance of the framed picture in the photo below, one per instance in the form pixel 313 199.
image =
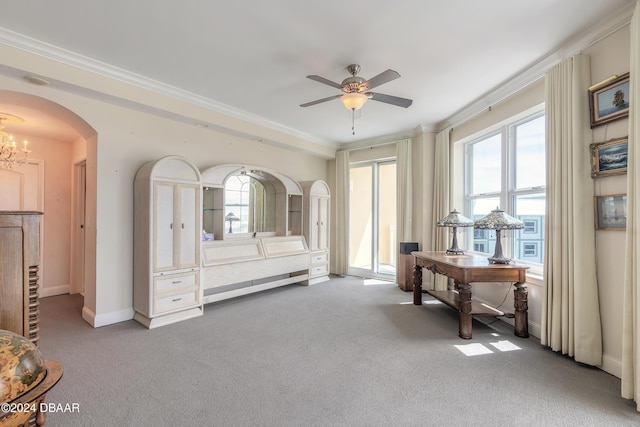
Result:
pixel 609 102
pixel 611 212
pixel 609 158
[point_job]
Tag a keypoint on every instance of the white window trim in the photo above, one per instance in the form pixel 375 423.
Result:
pixel 459 151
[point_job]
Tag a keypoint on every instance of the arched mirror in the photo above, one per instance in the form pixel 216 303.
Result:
pixel 250 202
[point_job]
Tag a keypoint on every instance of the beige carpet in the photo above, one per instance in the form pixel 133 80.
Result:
pixel 339 353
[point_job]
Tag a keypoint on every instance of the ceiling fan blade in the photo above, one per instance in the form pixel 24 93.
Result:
pixel 325 81
pixel 308 104
pixel 382 78
pixel 393 100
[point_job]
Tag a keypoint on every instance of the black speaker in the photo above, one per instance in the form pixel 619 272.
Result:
pixel 407 247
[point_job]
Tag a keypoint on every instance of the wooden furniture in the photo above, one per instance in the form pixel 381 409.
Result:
pixel 317 201
pixel 167 234
pixel 33 400
pixel 404 272
pixel 267 249
pixel 467 269
pixel 19 265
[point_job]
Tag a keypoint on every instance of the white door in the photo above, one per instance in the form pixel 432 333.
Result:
pixel 323 214
pixel 163 225
pixel 22 189
pixel 77 231
pixel 314 226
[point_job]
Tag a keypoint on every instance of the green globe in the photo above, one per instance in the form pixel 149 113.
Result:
pixel 22 366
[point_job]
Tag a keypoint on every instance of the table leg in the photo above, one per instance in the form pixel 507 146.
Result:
pixel 465 318
pixel 521 306
pixel 417 285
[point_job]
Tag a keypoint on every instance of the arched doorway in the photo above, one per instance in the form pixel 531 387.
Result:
pixel 59 141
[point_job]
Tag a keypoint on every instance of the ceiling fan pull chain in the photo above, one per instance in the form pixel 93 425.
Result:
pixel 353 121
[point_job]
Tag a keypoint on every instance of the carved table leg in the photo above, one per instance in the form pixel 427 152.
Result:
pixel 464 298
pixel 521 306
pixel 417 285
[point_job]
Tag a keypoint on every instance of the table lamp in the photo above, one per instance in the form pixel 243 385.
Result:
pixel 454 220
pixel 498 220
pixel 231 217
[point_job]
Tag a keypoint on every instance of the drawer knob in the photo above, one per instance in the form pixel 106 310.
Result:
pixel 176 299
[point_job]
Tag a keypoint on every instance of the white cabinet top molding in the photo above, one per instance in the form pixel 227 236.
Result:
pixel 215 176
pixel 173 168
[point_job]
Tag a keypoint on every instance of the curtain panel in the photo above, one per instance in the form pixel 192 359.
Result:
pixel 570 307
pixel 440 206
pixel 631 303
pixel 341 244
pixel 404 188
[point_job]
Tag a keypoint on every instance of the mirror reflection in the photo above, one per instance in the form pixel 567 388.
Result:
pixel 249 203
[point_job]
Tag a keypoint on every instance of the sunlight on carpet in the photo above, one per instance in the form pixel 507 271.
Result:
pixel 477 349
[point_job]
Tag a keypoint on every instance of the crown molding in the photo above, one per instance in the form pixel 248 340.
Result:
pixel 43 49
pixel 539 68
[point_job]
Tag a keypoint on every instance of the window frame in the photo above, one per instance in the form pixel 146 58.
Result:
pixel 508 192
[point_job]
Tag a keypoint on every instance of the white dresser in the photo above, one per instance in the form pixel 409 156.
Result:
pixel 167 234
pixel 317 204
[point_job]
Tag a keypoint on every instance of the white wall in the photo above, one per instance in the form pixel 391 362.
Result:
pixel 608 57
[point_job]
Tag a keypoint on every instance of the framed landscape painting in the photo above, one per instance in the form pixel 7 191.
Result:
pixel 611 212
pixel 609 102
pixel 609 158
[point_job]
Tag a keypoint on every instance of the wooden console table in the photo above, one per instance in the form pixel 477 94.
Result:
pixel 464 270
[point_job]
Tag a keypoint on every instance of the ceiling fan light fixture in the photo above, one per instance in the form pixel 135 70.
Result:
pixel 353 101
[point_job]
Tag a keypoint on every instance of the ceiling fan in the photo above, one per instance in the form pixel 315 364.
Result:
pixel 356 89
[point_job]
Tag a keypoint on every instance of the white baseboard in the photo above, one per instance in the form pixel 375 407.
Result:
pixel 53 290
pixel 88 316
pixel 611 366
pixel 106 319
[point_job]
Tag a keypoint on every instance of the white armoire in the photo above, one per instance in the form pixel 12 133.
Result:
pixel 167 233
pixel 317 204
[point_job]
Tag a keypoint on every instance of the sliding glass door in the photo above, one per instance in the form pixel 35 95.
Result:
pixel 372 220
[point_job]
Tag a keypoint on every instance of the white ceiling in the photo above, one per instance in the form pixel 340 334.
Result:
pixel 251 57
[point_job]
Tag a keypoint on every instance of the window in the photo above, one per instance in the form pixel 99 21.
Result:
pixel 237 202
pixel 372 219
pixel 506 168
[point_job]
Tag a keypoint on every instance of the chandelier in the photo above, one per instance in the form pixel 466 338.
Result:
pixel 9 152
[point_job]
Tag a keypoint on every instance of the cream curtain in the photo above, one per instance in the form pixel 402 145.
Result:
pixel 440 207
pixel 404 188
pixel 570 307
pixel 631 305
pixel 341 244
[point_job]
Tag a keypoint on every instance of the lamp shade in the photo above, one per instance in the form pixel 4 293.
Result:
pixel 454 219
pixel 354 100
pixel 231 217
pixel 498 220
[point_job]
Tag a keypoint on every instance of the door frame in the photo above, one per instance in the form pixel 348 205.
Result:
pixel 374 271
pixel 78 221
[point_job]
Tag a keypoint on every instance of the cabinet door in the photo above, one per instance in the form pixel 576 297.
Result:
pixel 163 226
pixel 314 224
pixel 12 280
pixel 189 232
pixel 323 226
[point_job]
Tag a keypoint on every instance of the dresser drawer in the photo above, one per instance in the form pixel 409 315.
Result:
pixel 318 270
pixel 174 283
pixel 319 258
pixel 176 301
